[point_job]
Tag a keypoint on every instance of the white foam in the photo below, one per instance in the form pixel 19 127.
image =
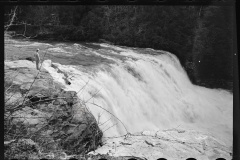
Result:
pixel 57 49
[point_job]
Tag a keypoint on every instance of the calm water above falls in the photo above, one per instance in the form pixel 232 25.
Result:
pixel 146 89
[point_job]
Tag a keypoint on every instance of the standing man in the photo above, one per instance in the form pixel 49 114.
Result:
pixel 37 59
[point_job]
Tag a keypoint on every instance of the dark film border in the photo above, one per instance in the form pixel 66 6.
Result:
pixel 148 2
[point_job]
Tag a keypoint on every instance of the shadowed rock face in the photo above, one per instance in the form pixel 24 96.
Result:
pixel 56 118
pixel 28 58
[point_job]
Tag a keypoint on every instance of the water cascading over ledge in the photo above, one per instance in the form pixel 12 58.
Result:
pixel 146 92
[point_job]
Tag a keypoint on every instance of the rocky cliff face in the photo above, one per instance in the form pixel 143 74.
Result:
pixel 51 117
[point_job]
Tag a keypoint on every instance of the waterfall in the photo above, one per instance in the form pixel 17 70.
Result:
pixel 146 92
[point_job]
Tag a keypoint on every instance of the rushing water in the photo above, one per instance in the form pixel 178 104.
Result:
pixel 144 88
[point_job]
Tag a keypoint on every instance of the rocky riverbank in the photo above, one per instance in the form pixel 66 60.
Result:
pixel 172 144
pixel 51 123
pixel 38 111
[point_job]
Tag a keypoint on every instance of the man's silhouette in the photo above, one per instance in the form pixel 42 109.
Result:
pixel 37 59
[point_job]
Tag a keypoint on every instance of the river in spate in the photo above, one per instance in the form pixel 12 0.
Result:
pixel 145 89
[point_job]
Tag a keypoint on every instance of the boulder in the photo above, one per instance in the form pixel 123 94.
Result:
pixel 53 117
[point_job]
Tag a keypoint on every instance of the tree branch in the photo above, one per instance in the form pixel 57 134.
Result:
pixel 12 19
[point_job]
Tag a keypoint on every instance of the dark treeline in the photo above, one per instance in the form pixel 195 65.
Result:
pixel 200 36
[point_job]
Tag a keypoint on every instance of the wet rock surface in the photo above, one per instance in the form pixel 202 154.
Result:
pixel 54 118
pixel 173 144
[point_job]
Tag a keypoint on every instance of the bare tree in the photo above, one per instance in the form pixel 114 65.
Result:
pixel 12 17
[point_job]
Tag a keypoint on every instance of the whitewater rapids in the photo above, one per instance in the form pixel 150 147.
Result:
pixel 146 89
